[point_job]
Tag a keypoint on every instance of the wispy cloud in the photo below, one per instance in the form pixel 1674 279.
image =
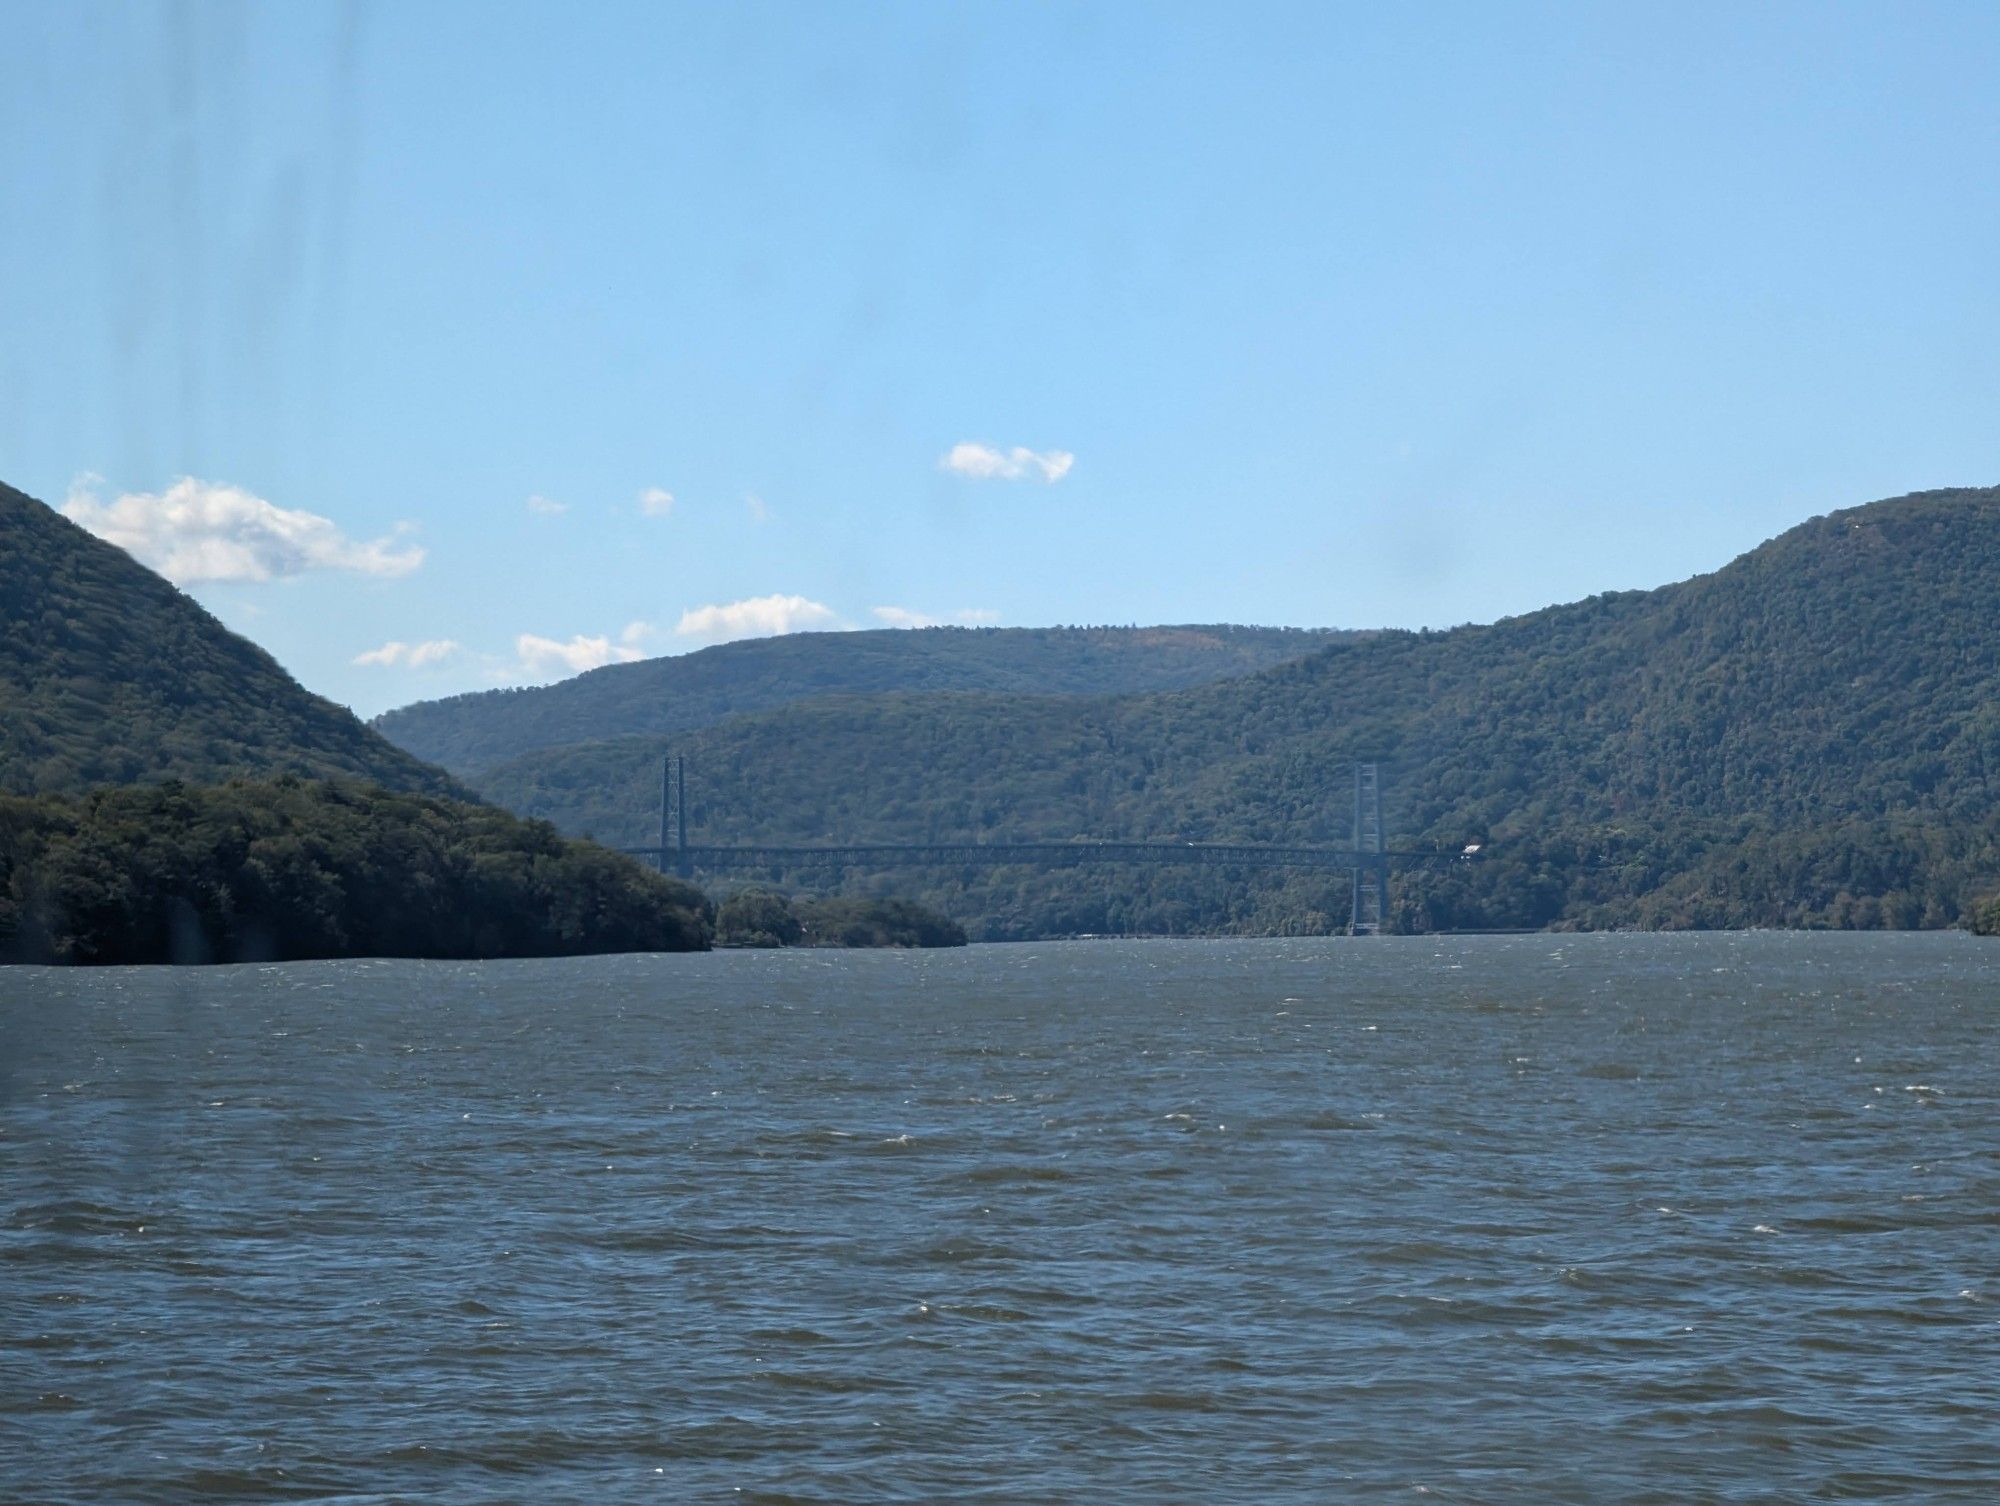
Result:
pixel 984 462
pixel 757 507
pixel 547 507
pixel 542 657
pixel 757 617
pixel 903 617
pixel 415 655
pixel 656 502
pixel 198 531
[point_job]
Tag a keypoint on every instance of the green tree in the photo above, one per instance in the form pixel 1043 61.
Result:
pixel 756 918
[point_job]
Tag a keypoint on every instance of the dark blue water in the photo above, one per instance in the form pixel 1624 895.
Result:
pixel 1533 1219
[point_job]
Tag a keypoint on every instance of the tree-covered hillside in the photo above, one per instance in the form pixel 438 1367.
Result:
pixel 1810 735
pixel 259 872
pixel 468 733
pixel 109 675
pixel 1986 918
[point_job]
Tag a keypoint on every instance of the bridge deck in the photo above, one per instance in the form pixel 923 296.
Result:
pixel 1038 854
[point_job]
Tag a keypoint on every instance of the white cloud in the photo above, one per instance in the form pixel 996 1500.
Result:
pixel 656 502
pixel 431 651
pixel 541 657
pixel 982 462
pixel 758 617
pixel 903 617
pixel 198 531
pixel 416 655
pixel 757 507
pixel 546 507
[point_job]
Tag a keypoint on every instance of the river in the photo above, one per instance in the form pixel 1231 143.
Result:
pixel 1594 1219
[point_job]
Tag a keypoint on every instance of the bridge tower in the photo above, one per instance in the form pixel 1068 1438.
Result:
pixel 674 814
pixel 1371 864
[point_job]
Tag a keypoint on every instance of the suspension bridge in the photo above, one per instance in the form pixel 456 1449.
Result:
pixel 1367 860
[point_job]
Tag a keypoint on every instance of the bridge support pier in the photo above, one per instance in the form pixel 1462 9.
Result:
pixel 674 815
pixel 1371 866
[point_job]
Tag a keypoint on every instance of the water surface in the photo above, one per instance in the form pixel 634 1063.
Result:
pixel 1523 1219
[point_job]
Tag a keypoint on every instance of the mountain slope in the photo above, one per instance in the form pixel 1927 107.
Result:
pixel 468 733
pixel 109 675
pixel 291 869
pixel 1811 735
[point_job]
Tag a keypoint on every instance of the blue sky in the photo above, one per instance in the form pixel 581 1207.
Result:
pixel 1321 314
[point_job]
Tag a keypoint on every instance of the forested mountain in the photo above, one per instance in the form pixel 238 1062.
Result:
pixel 1810 735
pixel 109 675
pixel 129 832
pixel 468 733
